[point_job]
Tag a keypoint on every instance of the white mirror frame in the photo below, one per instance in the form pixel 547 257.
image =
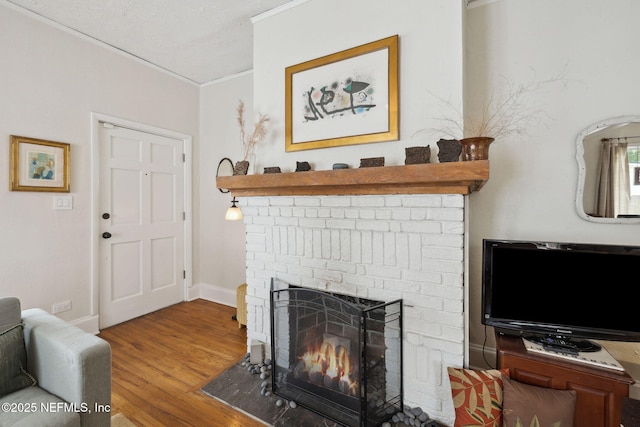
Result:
pixel 582 170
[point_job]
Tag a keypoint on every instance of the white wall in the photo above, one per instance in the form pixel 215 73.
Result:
pixel 51 81
pixel 221 254
pixel 531 191
pixel 430 62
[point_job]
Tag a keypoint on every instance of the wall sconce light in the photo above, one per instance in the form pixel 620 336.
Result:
pixel 233 213
pixel 225 168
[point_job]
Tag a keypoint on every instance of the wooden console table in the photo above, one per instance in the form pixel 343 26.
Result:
pixel 599 390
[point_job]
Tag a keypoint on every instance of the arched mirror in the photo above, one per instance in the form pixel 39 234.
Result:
pixel 225 168
pixel 609 171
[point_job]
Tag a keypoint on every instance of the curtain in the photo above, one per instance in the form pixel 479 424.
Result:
pixel 613 190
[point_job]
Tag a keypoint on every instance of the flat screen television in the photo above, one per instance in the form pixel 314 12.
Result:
pixel 561 295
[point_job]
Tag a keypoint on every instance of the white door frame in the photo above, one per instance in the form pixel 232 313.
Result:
pixel 96 119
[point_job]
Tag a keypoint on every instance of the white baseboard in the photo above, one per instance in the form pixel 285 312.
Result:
pixel 205 291
pixel 213 293
pixel 193 292
pixel 90 324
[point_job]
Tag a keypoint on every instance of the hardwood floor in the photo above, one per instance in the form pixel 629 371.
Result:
pixel 161 360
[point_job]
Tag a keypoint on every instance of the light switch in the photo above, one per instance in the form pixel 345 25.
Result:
pixel 63 202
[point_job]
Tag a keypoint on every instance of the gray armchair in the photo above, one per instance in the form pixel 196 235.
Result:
pixel 71 369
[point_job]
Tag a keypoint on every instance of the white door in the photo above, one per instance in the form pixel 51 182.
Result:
pixel 141 223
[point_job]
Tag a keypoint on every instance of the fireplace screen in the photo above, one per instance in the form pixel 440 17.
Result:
pixel 337 355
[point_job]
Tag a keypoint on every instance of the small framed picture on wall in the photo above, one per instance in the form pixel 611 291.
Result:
pixel 39 165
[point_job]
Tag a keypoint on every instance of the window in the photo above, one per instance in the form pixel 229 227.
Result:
pixel 634 164
pixel 633 152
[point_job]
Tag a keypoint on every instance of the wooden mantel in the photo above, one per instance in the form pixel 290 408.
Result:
pixel 430 178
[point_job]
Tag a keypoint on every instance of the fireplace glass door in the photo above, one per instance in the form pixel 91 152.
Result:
pixel 337 355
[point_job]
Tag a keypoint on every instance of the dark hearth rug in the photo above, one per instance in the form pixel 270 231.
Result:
pixel 240 389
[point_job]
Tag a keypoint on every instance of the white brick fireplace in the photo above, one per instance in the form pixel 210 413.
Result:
pixel 381 247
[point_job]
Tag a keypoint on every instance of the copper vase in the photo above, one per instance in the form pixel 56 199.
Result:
pixel 476 148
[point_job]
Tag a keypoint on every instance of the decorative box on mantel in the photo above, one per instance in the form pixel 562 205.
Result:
pixel 430 178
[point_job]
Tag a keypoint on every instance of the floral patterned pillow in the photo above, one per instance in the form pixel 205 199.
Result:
pixel 477 396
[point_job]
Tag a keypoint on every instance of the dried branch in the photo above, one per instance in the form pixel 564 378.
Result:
pixel 503 114
pixel 241 121
pixel 258 134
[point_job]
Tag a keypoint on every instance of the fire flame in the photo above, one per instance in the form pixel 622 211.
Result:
pixel 329 366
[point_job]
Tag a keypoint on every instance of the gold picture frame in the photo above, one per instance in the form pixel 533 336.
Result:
pixel 346 98
pixel 39 165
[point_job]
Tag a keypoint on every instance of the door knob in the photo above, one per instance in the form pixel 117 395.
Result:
pixel 106 216
pixel 106 235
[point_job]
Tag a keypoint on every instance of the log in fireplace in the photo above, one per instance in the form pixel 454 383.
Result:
pixel 339 356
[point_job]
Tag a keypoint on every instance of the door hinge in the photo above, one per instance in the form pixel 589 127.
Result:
pixel 184 274
pixel 184 158
pixel 184 216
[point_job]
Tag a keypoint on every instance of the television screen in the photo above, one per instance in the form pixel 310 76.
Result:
pixel 561 291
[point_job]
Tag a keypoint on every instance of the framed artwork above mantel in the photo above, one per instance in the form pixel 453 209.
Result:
pixel 349 97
